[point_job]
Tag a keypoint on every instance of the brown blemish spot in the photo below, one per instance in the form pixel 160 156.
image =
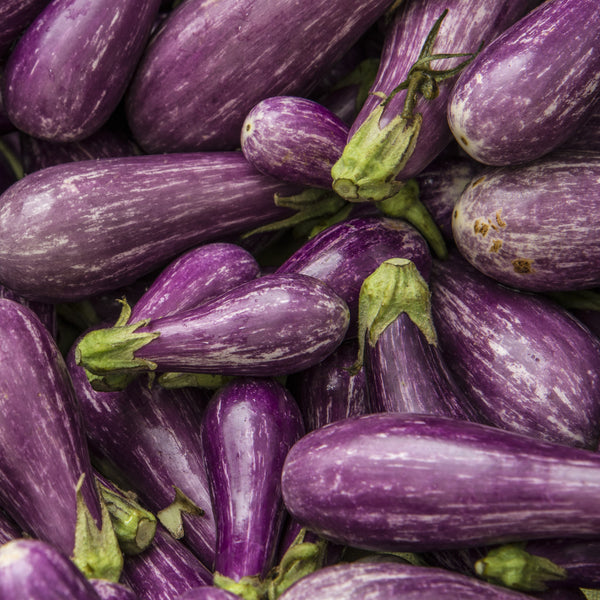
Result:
pixel 464 140
pixel 478 181
pixel 522 265
pixel 455 215
pixel 499 220
pixel 480 227
pixel 496 245
pixel 248 127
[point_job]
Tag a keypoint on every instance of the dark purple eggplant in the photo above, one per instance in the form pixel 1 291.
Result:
pixel 48 485
pixel 393 580
pixel 282 48
pixel 69 70
pixel 74 230
pixel 110 590
pixel 530 89
pixel 273 325
pixel 247 430
pixel 532 226
pixel 32 569
pixel 15 17
pixel 407 482
pixel 524 362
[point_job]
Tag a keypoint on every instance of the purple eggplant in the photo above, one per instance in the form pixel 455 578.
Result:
pixel 45 311
pixel 32 569
pixel 393 580
pixel 530 89
pixel 587 135
pixel 273 325
pixel 280 49
pixel 208 592
pixel 532 226
pixel 68 72
pixel 523 361
pixel 110 590
pixel 48 485
pixel 408 482
pixel 15 17
pixel 74 230
pixel 247 430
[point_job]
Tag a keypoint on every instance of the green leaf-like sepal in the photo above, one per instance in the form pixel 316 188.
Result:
pixel 201 380
pixel 248 588
pixel 170 517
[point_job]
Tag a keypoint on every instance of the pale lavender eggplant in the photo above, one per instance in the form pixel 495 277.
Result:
pixel 282 48
pixel 74 230
pixel 530 89
pixel 15 17
pixel 110 590
pixel 532 226
pixel 344 254
pixel 294 139
pixel 208 593
pixel 32 569
pixel 409 482
pixel 523 361
pixel 69 70
pixel 165 570
pixel 151 435
pixel 393 581
pixel 247 430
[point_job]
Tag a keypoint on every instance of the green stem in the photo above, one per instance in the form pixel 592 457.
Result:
pixel 170 517
pixel 248 588
pixel 13 161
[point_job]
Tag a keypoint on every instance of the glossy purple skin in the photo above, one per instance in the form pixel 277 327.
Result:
pixel 110 590
pixel 533 226
pixel 465 26
pixel 532 87
pixel 294 139
pixel 151 435
pixel 195 277
pixel 275 49
pixel 405 373
pixel 69 70
pixel 15 17
pixel 120 218
pixel 207 593
pixel 344 254
pixel 44 451
pixel 247 430
pixel 524 362
pixel 274 325
pixel 409 482
pixel 34 569
pixel 165 570
pixel 393 580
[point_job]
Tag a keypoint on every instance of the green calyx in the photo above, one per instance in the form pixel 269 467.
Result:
pixel 513 567
pixel 374 156
pixel 170 517
pixel 202 380
pixel 248 588
pixel 395 287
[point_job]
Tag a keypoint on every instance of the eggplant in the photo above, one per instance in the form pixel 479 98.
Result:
pixel 274 325
pixel 531 226
pixel 110 590
pixel 276 50
pixel 407 482
pixel 392 580
pixel 16 16
pixel 75 230
pixel 525 363
pixel 247 429
pixel 48 485
pixel 32 569
pixel 531 88
pixel 45 311
pixel 68 72
pixel 208 593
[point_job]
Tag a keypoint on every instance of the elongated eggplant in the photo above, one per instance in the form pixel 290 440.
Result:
pixel 34 569
pixel 532 226
pixel 15 17
pixel 280 49
pixel 530 88
pixel 48 484
pixel 247 430
pixel 110 590
pixel 74 230
pixel 389 580
pixel 408 482
pixel 69 70
pixel 523 361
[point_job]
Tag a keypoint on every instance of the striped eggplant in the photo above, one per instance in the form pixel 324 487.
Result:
pixel 68 72
pixel 74 230
pixel 110 590
pixel 273 325
pixel 189 95
pixel 32 569
pixel 247 430
pixel 407 482
pixel 532 226
pixel 208 592
pixel 531 88
pixel 393 580
pixel 524 362
pixel 15 17
pixel 48 485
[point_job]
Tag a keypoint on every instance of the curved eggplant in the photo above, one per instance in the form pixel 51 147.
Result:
pixel 407 482
pixel 531 88
pixel 68 72
pixel 110 590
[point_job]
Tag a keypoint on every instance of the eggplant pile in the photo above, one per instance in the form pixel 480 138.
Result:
pixel 298 301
